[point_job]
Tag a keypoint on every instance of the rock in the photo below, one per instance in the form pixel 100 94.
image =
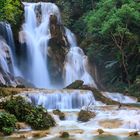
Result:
pixel 111 123
pixel 75 85
pixel 135 133
pixel 40 134
pixel 100 131
pixel 59 113
pixel 22 83
pixel 64 135
pixel 85 116
pixel 58 47
pixel 21 125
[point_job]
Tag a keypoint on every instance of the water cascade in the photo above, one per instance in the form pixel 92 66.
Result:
pixel 36 34
pixel 3 56
pixel 76 63
pixel 7 43
pixel 62 99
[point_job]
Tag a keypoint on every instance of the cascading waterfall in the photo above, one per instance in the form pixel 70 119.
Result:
pixel 61 99
pixel 7 42
pixel 76 63
pixel 37 34
pixel 3 61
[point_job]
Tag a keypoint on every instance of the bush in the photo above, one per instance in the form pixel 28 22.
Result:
pixel 7 123
pixel 40 119
pixel 19 107
pixel 37 117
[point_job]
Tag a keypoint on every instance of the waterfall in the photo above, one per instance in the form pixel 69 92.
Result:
pixel 61 99
pixel 3 56
pixel 36 35
pixel 120 97
pixel 7 43
pixel 76 63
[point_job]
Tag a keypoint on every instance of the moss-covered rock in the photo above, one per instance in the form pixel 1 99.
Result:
pixel 85 115
pixel 59 113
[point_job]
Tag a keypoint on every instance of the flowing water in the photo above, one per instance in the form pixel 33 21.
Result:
pixel 36 34
pixel 7 50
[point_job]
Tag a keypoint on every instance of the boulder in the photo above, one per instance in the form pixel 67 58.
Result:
pixel 75 85
pixel 135 133
pixel 64 135
pixel 59 113
pixel 100 131
pixel 85 116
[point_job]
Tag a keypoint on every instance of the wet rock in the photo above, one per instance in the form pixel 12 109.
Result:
pixel 75 85
pixel 64 135
pixel 134 133
pixel 85 116
pixel 22 83
pixel 111 123
pixel 21 125
pixel 57 50
pixel 59 113
pixel 100 131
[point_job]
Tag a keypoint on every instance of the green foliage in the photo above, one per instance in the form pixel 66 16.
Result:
pixel 113 28
pixel 19 107
pixel 11 11
pixel 37 117
pixel 7 123
pixel 134 89
pixel 40 119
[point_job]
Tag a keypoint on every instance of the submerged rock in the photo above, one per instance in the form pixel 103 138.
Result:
pixel 85 116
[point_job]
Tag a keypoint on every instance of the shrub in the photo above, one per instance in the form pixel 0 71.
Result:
pixel 19 107
pixel 36 117
pixel 39 118
pixel 7 123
